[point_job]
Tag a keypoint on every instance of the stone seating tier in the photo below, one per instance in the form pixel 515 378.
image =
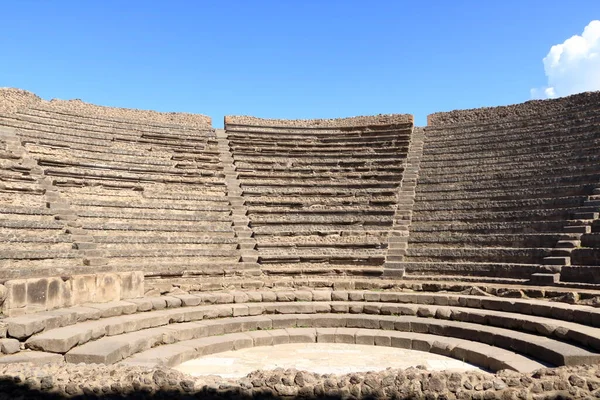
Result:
pixel 156 330
pixel 306 179
pixel 484 195
pixel 91 162
pixel 503 171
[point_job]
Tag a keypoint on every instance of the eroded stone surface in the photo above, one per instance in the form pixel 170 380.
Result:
pixel 321 358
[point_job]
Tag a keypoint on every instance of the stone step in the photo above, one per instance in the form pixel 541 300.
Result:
pixel 125 214
pixel 322 269
pixel 476 353
pixel 509 182
pixel 510 227
pixel 493 172
pixel 561 252
pixel 507 255
pixel 578 229
pixel 478 269
pixel 557 260
pixel 586 215
pixel 568 244
pixel 586 256
pixel 532 128
pixel 50 115
pixel 501 205
pixel 35 358
pixel 530 192
pixel 486 215
pixel 459 239
pixel 206 227
pixel 590 240
pixel 113 348
pixel 25 326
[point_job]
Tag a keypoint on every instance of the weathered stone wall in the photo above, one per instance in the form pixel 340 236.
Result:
pixel 25 296
pixel 532 109
pixel 95 381
pixel 12 99
pixel 381 119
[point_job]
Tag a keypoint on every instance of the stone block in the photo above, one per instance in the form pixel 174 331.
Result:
pixel 346 335
pixel 326 335
pixel 302 335
pixel 83 288
pixel 280 336
pixel 216 344
pixel 365 336
pixel 261 338
pixel 9 346
pixel 108 288
pixel 132 284
pixel 400 340
pixel 172 301
pixel 321 295
pixel 36 294
pixel 240 310
pixel 285 296
pixel 303 295
pixel 16 295
pixel 339 295
pixel 143 304
pixel 32 357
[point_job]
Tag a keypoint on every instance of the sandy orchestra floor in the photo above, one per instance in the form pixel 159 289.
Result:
pixel 322 358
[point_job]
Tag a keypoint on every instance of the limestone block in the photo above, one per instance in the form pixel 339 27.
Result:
pixel 143 304
pixel 16 296
pixel 83 288
pixel 9 346
pixel 3 293
pixel 58 294
pixel 108 288
pixel 34 295
pixel 302 335
pixel 132 284
pixel 261 338
pixel 3 329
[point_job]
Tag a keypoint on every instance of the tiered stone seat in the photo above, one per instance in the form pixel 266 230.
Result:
pixel 585 252
pixel 491 332
pixel 499 188
pixel 320 195
pixel 146 195
pixel 34 241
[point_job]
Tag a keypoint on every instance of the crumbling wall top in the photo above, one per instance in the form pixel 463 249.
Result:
pixel 381 119
pixel 532 109
pixel 12 100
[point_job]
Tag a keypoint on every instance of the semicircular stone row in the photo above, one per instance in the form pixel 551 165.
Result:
pixel 525 334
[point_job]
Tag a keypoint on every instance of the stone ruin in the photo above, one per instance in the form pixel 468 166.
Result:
pixel 135 240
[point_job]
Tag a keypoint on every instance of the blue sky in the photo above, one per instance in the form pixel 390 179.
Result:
pixel 286 59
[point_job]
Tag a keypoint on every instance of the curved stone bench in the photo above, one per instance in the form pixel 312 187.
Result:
pixel 466 324
pixel 478 354
pixel 25 326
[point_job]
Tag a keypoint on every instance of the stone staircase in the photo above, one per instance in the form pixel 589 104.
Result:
pixel 579 225
pixel 61 211
pixel 398 236
pixel 244 235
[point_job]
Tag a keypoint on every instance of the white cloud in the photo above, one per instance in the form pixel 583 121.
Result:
pixel 573 66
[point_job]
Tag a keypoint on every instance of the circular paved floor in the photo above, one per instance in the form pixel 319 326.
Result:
pixel 322 358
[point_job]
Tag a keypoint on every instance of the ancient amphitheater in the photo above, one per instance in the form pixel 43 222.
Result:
pixel 133 241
